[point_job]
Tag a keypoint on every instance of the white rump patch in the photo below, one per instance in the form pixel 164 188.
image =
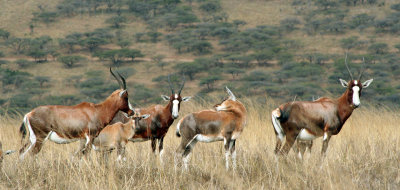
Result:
pixel 356 95
pixel 32 136
pixel 208 139
pixel 277 124
pixel 305 135
pixel 53 136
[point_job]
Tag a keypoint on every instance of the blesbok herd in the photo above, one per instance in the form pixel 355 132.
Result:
pixel 112 123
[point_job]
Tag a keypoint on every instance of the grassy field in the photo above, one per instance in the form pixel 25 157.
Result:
pixel 365 155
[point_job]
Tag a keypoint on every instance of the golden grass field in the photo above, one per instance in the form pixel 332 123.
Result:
pixel 365 155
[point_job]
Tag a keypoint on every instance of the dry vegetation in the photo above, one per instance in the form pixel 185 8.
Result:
pixel 365 155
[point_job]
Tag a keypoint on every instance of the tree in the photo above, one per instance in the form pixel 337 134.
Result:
pixel 378 48
pixel 4 34
pixel 289 24
pixel 189 69
pixel 211 6
pixel 234 71
pixel 117 21
pixel 397 46
pixel 18 44
pixel 70 60
pixel 92 43
pixel 46 17
pixel 131 53
pixel 158 59
pixel 262 57
pixel 38 54
pixel 42 80
pixel 154 36
pixel 395 7
pixel 124 43
pixel 349 43
pixel 209 81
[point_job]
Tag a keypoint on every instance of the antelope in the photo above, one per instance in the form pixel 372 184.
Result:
pixel 2 154
pixel 161 118
pixel 66 124
pixel 116 136
pixel 306 120
pixel 225 123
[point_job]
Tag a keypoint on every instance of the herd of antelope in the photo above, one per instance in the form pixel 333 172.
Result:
pixel 112 123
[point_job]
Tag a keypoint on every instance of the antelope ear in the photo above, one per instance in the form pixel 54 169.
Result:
pixel 145 116
pixel 367 83
pixel 165 97
pixel 344 83
pixel 122 93
pixel 187 98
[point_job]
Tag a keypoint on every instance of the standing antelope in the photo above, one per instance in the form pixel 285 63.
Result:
pixel 225 123
pixel 65 124
pixel 161 118
pixel 116 136
pixel 307 120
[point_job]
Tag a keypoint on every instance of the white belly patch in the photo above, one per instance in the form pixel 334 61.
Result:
pixel 138 139
pixel 305 135
pixel 59 140
pixel 207 139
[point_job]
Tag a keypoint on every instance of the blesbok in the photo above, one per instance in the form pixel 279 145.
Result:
pixel 225 123
pixel 161 118
pixel 2 154
pixel 65 124
pixel 307 120
pixel 116 136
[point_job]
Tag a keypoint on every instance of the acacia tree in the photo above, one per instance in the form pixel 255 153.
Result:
pixel 70 60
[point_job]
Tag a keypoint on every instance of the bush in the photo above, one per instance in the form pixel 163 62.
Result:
pixel 211 6
pixel 70 60
pixel 378 48
pixel 23 63
pixel 116 21
pixel 289 24
pixel 4 34
pixel 189 69
pixel 209 81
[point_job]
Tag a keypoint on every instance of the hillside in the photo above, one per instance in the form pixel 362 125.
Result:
pixel 59 52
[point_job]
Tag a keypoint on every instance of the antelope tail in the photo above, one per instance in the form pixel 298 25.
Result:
pixel 276 117
pixel 178 126
pixel 22 130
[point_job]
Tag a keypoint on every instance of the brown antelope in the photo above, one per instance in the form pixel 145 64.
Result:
pixel 116 136
pixel 161 118
pixel 2 154
pixel 225 123
pixel 65 124
pixel 307 120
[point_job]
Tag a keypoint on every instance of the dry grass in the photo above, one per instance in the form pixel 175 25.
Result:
pixel 365 155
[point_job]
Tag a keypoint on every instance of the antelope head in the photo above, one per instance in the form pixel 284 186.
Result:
pixel 227 103
pixel 354 87
pixel 122 99
pixel 175 99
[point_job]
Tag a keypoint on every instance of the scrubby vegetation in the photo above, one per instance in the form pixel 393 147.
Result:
pixel 204 41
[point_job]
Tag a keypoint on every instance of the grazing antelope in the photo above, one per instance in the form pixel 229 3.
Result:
pixel 116 136
pixel 307 120
pixel 161 118
pixel 65 124
pixel 225 123
pixel 2 154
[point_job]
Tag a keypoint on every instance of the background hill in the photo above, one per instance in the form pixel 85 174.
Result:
pixel 59 52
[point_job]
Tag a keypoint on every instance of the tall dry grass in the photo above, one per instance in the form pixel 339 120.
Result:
pixel 365 155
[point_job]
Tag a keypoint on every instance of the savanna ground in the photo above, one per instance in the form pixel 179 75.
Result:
pixel 365 155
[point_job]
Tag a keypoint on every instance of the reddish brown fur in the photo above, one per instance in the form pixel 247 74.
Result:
pixel 81 121
pixel 116 136
pixel 225 123
pixel 324 116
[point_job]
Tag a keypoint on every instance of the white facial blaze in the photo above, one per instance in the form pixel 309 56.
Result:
pixel 356 95
pixel 175 104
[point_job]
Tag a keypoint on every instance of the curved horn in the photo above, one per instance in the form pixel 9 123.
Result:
pixel 362 69
pixel 116 78
pixel 169 83
pixel 182 85
pixel 347 66
pixel 231 95
pixel 123 81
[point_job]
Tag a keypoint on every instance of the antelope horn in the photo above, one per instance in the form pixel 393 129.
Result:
pixel 362 69
pixel 231 96
pixel 123 81
pixel 169 83
pixel 116 78
pixel 347 66
pixel 182 85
